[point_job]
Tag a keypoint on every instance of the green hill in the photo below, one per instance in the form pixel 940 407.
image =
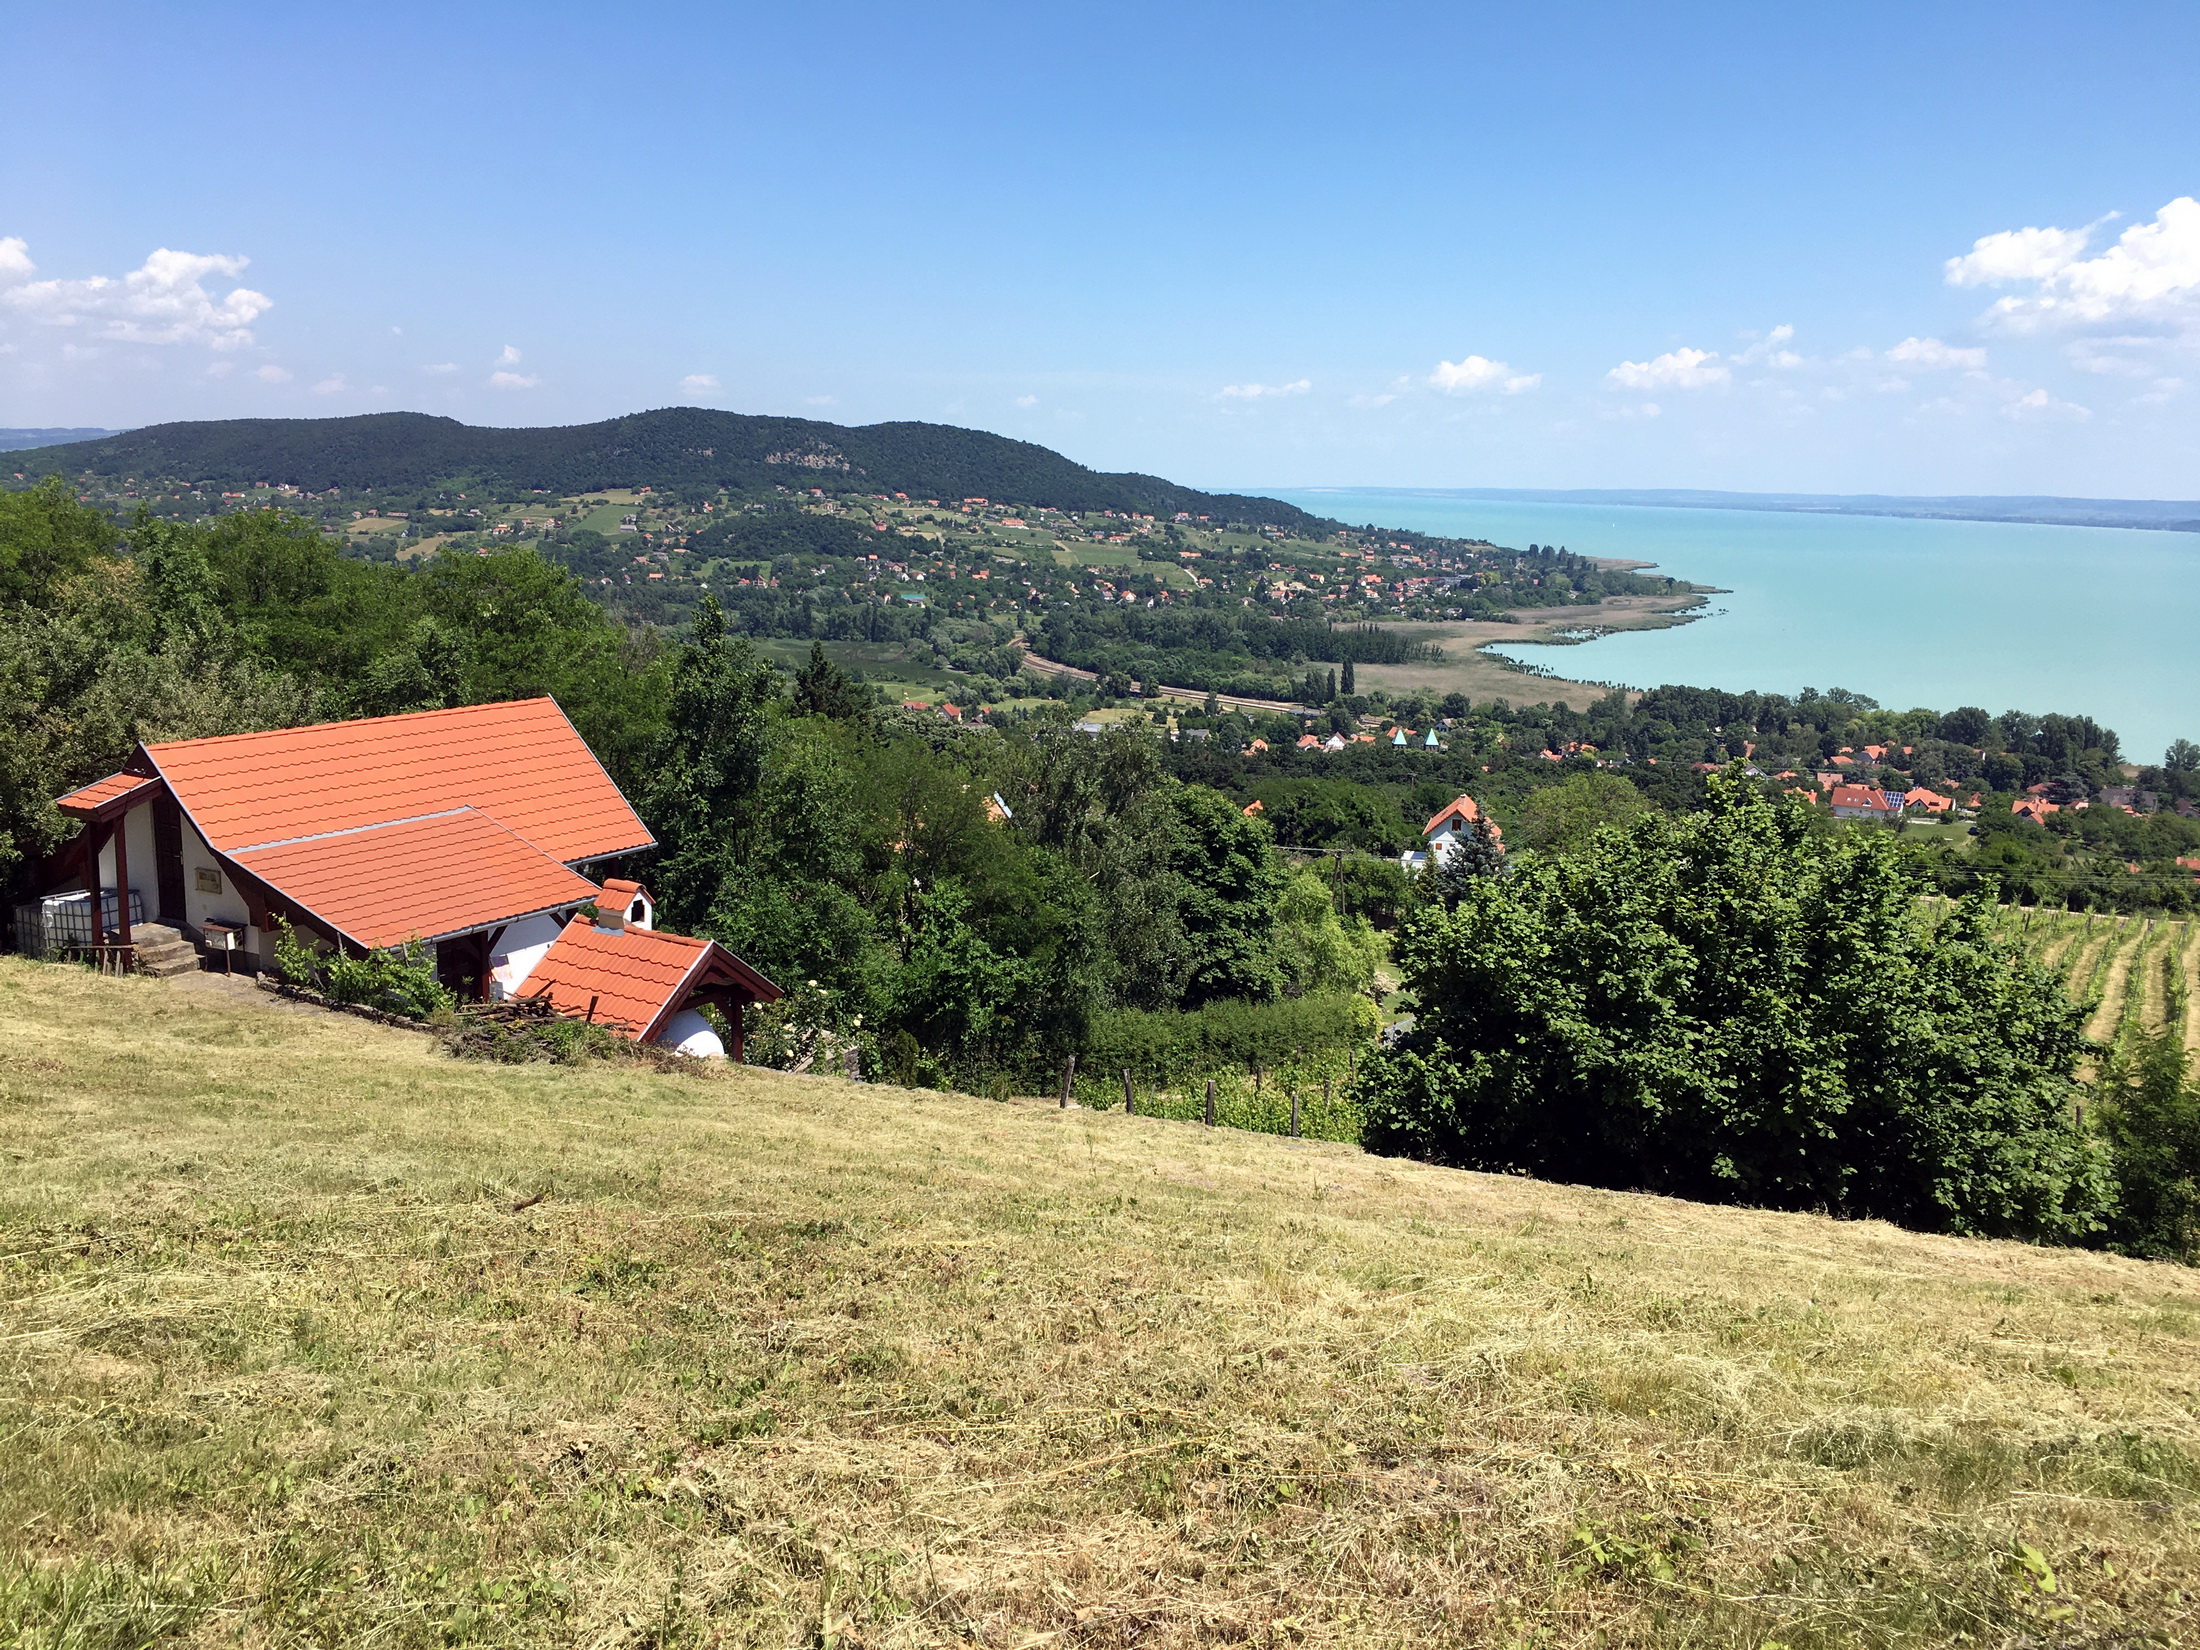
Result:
pixel 670 447
pixel 312 1335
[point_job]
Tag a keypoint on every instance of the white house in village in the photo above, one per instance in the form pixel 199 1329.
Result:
pixel 469 829
pixel 1447 828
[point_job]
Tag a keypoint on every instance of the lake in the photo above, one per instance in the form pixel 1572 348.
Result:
pixel 2098 621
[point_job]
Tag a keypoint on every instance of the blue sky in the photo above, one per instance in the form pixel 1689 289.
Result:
pixel 1456 245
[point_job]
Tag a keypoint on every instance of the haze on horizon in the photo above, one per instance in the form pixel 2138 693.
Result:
pixel 1892 249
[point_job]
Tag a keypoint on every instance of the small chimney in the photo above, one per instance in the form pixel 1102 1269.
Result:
pixel 613 904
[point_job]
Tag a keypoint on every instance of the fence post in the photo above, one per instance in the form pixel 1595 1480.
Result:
pixel 1130 1096
pixel 1210 1102
pixel 1069 1080
pixel 1294 1111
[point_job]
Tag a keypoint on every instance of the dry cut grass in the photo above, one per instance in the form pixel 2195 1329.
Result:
pixel 312 1335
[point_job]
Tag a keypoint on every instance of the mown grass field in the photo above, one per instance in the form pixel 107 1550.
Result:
pixel 312 1336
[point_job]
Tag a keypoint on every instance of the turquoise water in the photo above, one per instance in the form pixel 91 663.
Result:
pixel 2098 621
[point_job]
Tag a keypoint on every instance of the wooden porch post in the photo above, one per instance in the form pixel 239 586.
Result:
pixel 122 875
pixel 93 833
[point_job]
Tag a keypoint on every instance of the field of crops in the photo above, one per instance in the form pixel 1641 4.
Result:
pixel 2139 973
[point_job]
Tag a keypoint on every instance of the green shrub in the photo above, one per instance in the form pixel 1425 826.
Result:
pixel 1178 1048
pixel 399 980
pixel 1737 1008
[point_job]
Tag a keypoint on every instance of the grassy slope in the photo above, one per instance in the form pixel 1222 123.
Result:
pixel 785 1360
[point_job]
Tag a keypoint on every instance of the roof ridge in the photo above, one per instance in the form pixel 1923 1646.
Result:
pixel 346 722
pixel 377 825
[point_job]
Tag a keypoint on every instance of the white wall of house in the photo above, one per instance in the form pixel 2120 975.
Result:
pixel 137 832
pixel 518 952
pixel 224 902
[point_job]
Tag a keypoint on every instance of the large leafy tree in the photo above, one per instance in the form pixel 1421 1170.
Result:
pixel 708 767
pixel 47 538
pixel 1735 1008
pixel 1232 882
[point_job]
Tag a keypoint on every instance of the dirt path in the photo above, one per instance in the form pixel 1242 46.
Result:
pixel 1039 666
pixel 2124 936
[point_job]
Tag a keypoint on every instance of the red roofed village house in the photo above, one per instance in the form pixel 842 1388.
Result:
pixel 468 829
pixel 1449 826
pixel 1862 802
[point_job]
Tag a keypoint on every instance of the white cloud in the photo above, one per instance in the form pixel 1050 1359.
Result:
pixel 1680 369
pixel 1931 354
pixel 441 367
pixel 513 381
pixel 333 384
pixel 1479 372
pixel 2016 255
pixel 2039 404
pixel 1771 350
pixel 1255 392
pixel 509 357
pixel 2151 274
pixel 698 383
pixel 162 301
pixel 1368 403
pixel 269 374
pixel 1021 401
pixel 833 400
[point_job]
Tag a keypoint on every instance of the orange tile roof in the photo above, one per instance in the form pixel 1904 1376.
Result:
pixel 1463 805
pixel 520 761
pixel 85 802
pixel 447 873
pixel 638 977
pixel 1859 796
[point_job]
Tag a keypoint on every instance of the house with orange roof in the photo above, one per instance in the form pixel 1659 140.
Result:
pixel 2034 808
pixel 1931 801
pixel 1447 828
pixel 468 829
pixel 615 970
pixel 1861 802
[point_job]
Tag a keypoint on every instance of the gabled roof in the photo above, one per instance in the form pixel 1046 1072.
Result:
pixel 521 762
pixel 1861 796
pixel 637 978
pixel 447 873
pixel 104 797
pixel 1461 807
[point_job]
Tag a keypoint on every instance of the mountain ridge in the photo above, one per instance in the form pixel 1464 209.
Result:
pixel 664 447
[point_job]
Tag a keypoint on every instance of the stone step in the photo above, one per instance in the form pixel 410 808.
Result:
pixel 163 962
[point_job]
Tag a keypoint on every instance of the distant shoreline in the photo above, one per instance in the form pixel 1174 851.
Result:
pixel 2153 515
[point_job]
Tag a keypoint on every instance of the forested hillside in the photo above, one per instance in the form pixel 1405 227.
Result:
pixel 670 447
